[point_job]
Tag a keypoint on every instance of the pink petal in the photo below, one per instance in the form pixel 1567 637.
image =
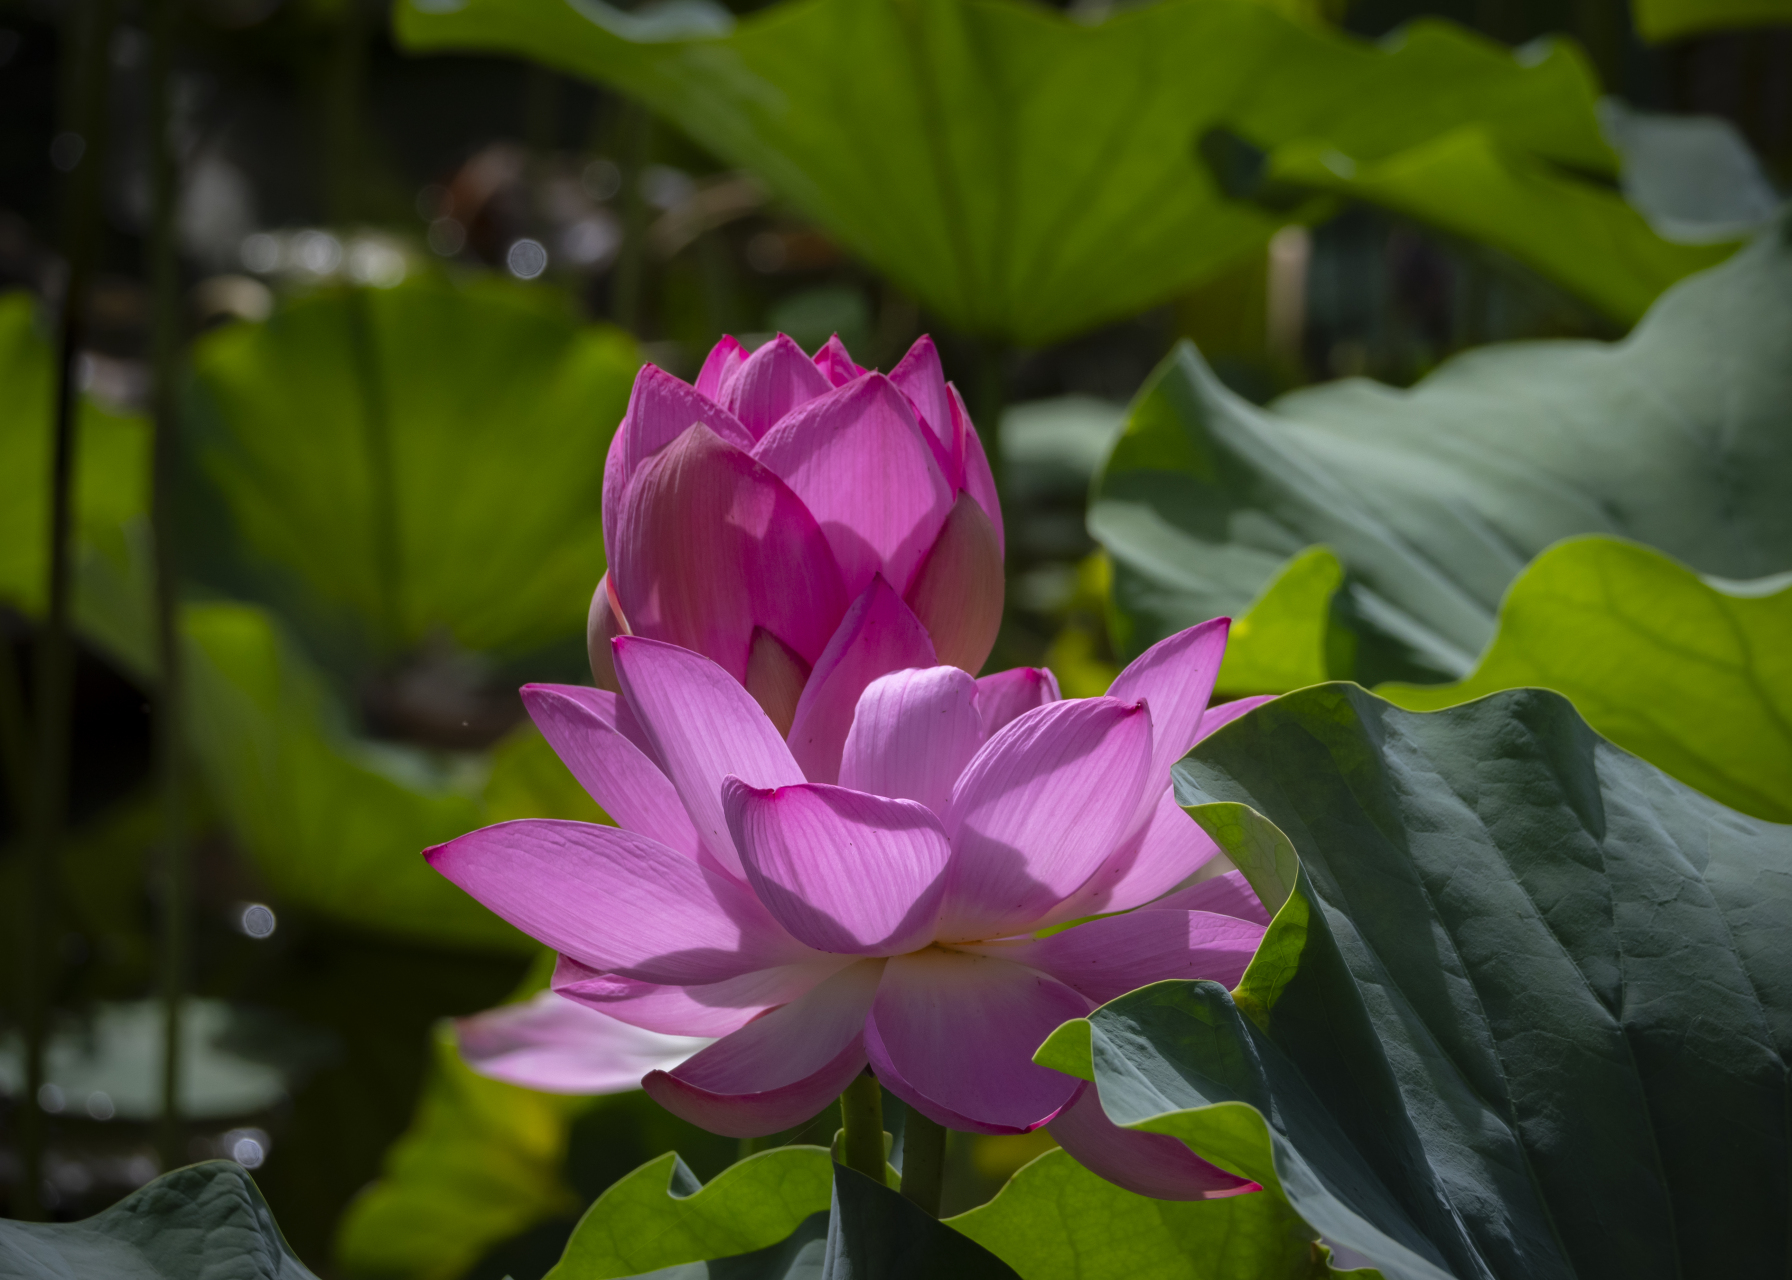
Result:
pixel 912 735
pixel 979 480
pixel 702 1009
pixel 775 379
pixel 1218 717
pixel 626 784
pixel 1148 1164
pixel 712 544
pixel 871 475
pixel 879 634
pixel 617 901
pixel 660 409
pixel 1229 894
pixel 1150 862
pixel 1106 958
pixel 957 591
pixel 836 363
pixel 779 1070
pixel 953 1035
pixel 1174 678
pixel 844 871
pixel 723 358
pixel 558 1046
pixel 919 376
pixel 703 727
pixel 1007 694
pixel 603 623
pixel 1038 809
pixel 775 678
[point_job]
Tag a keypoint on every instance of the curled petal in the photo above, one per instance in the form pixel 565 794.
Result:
pixel 869 472
pixel 957 592
pixel 912 734
pixel 879 634
pixel 953 1035
pixel 1149 862
pixel 844 871
pixel 979 480
pixel 774 380
pixel 712 545
pixel 700 1009
pixel 779 1070
pixel 603 623
pixel 1106 958
pixel 1229 894
pixel 1148 1164
pixel 660 409
pixel 1174 678
pixel 615 772
pixel 720 367
pixel 703 727
pixel 775 678
pixel 919 377
pixel 836 363
pixel 558 1046
pixel 617 901
pixel 1038 810
pixel 1008 694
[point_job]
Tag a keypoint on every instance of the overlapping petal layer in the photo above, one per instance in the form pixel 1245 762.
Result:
pixel 558 1046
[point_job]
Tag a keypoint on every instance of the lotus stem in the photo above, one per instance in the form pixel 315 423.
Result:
pixel 923 1162
pixel 165 344
pixel 862 1119
pixel 53 707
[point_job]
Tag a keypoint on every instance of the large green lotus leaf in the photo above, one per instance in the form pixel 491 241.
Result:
pixel 1693 676
pixel 483 1161
pixel 1526 1012
pixel 1286 639
pixel 1661 21
pixel 661 1216
pixel 419 459
pixel 1023 174
pixel 1584 237
pixel 1435 498
pixel 111 476
pixel 204 1220
pixel 337 824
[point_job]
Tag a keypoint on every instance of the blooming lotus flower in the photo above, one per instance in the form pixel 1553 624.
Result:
pixel 893 919
pixel 806 524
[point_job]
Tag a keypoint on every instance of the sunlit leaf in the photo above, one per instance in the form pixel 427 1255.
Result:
pixel 1661 21
pixel 660 1216
pixel 1584 237
pixel 1024 174
pixel 483 1161
pixel 1435 498
pixel 411 461
pixel 1524 1014
pixel 207 1219
pixel 1694 677
pixel 1281 642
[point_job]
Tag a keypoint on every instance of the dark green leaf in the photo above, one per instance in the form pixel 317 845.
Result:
pixel 205 1220
pixel 1695 677
pixel 1023 174
pixel 875 1234
pixel 1526 1014
pixel 1660 21
pixel 1435 498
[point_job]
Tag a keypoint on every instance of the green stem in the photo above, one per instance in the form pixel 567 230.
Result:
pixel 862 1118
pixel 165 345
pixel 53 705
pixel 382 472
pixel 923 1162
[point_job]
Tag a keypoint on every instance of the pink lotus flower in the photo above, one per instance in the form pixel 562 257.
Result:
pixel 806 525
pixel 557 1045
pixel 892 919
